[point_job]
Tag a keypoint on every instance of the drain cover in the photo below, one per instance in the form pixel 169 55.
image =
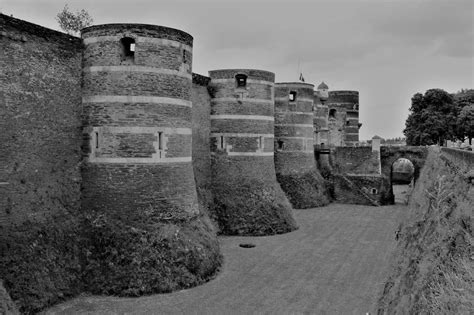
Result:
pixel 247 245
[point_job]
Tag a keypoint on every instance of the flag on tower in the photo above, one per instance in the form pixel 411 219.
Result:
pixel 301 77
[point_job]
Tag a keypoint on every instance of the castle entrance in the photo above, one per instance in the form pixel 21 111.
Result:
pixel 402 178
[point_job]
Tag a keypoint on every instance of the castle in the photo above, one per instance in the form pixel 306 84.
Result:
pixel 114 127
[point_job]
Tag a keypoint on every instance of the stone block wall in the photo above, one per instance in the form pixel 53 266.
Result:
pixel 40 98
pixel 356 160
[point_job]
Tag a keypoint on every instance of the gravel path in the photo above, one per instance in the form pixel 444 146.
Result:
pixel 336 263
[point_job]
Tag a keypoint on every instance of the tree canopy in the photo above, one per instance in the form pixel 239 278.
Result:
pixel 438 116
pixel 71 22
pixel 432 119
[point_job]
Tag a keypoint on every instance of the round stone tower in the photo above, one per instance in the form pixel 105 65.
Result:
pixel 343 118
pixel 294 146
pixel 321 111
pixel 248 199
pixel 138 182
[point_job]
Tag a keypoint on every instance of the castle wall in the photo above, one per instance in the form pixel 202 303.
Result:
pixel 138 169
pixel 295 165
pixel 40 98
pixel 248 199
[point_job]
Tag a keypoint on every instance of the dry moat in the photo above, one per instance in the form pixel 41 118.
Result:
pixel 335 263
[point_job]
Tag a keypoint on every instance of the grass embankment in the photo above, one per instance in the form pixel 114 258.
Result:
pixel 251 207
pixel 306 190
pixel 434 260
pixel 45 263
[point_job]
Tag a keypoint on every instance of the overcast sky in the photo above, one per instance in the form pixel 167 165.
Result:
pixel 387 50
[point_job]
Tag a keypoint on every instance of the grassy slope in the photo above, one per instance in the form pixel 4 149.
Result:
pixel 434 260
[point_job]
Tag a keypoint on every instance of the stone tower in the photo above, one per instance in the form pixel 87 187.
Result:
pixel 248 199
pixel 343 118
pixel 321 115
pixel 294 147
pixel 138 173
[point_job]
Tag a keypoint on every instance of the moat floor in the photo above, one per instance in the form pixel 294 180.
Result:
pixel 336 263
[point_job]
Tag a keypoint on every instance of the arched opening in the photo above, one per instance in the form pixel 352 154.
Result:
pixel 332 113
pixel 402 178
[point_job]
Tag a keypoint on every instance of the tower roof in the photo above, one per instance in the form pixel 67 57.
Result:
pixel 323 86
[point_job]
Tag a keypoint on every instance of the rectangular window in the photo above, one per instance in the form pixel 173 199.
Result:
pixel 160 141
pixel 184 56
pixel 260 142
pixel 222 142
pixel 292 96
pixel 96 140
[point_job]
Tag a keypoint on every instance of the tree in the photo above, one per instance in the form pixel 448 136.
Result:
pixel 433 118
pixel 71 22
pixel 464 101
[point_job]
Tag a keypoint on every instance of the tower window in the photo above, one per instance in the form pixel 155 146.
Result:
pixel 373 191
pixel 160 140
pixel 260 142
pixel 292 96
pixel 222 142
pixel 332 113
pixel 184 56
pixel 241 80
pixel 128 47
pixel 96 140
pixel 280 144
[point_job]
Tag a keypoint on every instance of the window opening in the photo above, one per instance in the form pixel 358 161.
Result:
pixel 373 191
pixel 96 140
pixel 260 142
pixel 128 46
pixel 222 142
pixel 184 56
pixel 280 144
pixel 241 80
pixel 292 96
pixel 332 113
pixel 160 140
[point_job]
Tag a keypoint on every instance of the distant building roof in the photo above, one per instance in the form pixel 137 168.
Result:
pixel 323 86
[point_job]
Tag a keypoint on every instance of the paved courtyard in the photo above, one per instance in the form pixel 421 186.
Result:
pixel 336 263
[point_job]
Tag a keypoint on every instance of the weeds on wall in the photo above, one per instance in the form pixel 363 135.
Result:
pixel 129 260
pixel 250 207
pixel 40 262
pixel 306 190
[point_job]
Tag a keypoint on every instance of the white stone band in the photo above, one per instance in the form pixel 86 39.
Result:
pixel 186 159
pixel 141 69
pixel 295 125
pixel 242 134
pixel 248 153
pixel 253 81
pixel 243 100
pixel 135 99
pixel 138 40
pixel 245 117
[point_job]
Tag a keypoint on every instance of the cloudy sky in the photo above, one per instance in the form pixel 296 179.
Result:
pixel 387 50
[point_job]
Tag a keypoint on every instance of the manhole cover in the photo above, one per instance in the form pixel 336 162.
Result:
pixel 247 245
